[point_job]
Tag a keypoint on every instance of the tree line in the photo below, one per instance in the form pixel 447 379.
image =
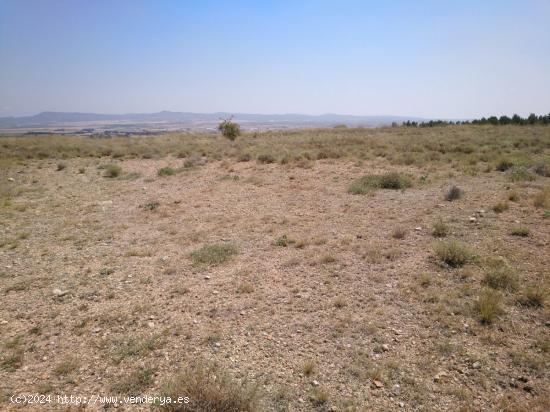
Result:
pixel 492 120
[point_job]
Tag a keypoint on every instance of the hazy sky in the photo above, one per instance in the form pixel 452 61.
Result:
pixel 425 58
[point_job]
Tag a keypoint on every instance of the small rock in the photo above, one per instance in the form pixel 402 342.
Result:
pixel 217 344
pixel 207 277
pixel 378 384
pixel 4 322
pixel 97 330
pixel 151 324
pixel 440 376
pixel 11 179
pixel 315 383
pixel 59 292
pixel 401 404
pixel 385 347
pixel 476 365
pixel 418 228
pixel 472 219
pixel 215 292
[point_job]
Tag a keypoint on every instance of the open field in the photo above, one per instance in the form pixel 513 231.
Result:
pixel 336 269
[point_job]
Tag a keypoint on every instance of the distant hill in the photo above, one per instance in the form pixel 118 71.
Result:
pixel 49 119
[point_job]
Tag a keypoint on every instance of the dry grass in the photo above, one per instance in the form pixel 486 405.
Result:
pixel 453 253
pixel 214 254
pixel 210 388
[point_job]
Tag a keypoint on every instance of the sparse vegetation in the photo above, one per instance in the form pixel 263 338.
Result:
pixel 489 306
pixel 500 207
pixel 209 388
pixel 440 229
pixel 502 277
pixel 213 254
pixel 533 296
pixel 166 171
pixel 398 233
pixel 453 253
pixel 453 193
pixel 112 171
pixel 521 231
pixel 390 180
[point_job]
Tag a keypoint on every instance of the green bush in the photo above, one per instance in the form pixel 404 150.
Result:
pixel 390 180
pixel 453 253
pixel 229 129
pixel 213 254
pixel 112 171
pixel 166 171
pixel 489 306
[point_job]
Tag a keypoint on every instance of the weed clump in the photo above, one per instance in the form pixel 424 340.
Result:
pixel 521 231
pixel 500 207
pixel 166 171
pixel 489 306
pixel 440 229
pixel 210 389
pixel 390 180
pixel 112 171
pixel 214 254
pixel 453 253
pixel 454 193
pixel 502 277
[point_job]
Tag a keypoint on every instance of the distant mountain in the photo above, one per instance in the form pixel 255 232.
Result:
pixel 49 119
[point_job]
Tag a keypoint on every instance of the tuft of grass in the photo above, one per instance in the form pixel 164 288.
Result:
pixel 453 253
pixel 245 287
pixel 135 382
pixel 390 180
pixel 504 164
pixel 425 280
pixel 283 241
pixel 533 297
pixel 151 205
pixel 489 306
pixel 319 397
pixel 66 367
pixel 308 367
pixel 209 388
pixel 502 277
pixel 542 199
pixel 61 166
pixel 327 258
pixel 112 171
pixel 166 171
pixel 266 159
pixel 398 233
pixel 214 254
pixel 454 193
pixel 521 231
pixel 500 207
pixel 440 229
pixel 513 196
pixel 521 174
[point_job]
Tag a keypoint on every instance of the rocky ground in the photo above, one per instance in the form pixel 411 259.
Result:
pixel 321 299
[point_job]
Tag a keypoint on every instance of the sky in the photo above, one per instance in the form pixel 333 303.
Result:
pixel 435 59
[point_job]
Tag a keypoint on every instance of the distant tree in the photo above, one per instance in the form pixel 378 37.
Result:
pixel 516 119
pixel 229 128
pixel 532 119
pixel 504 120
pixel 492 120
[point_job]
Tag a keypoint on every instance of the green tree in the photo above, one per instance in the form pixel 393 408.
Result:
pixel 229 129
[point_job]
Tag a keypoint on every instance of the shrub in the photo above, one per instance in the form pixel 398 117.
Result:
pixel 283 241
pixel 453 253
pixel 229 129
pixel 513 196
pixel 266 159
pixel 440 229
pixel 213 254
pixel 542 199
pixel 398 233
pixel 521 231
pixel 390 180
pixel 245 157
pixel 504 164
pixel 533 297
pixel 209 389
pixel 151 205
pixel 521 174
pixel 61 166
pixel 134 383
pixel 502 277
pixel 542 169
pixel 112 171
pixel 489 306
pixel 453 193
pixel 166 171
pixel 500 207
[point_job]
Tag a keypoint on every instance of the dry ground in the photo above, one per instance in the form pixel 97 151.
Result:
pixel 329 300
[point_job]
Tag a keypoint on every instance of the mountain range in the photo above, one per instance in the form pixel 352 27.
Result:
pixel 59 119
